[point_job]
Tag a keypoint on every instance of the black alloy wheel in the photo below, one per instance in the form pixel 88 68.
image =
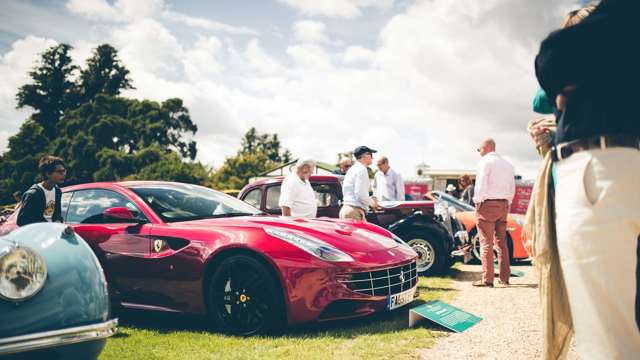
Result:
pixel 244 297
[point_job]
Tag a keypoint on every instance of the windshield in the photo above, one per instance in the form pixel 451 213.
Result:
pixel 459 205
pixel 184 202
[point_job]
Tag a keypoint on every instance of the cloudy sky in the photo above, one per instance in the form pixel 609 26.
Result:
pixel 421 81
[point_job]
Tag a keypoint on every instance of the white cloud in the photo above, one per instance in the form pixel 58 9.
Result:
pixel 130 10
pixel 336 8
pixel 14 67
pixel 93 9
pixel 206 24
pixel 358 54
pixel 445 74
pixel 146 45
pixel 201 61
pixel 261 61
pixel 309 31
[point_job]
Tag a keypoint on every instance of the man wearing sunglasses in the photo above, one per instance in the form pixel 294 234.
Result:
pixel 41 203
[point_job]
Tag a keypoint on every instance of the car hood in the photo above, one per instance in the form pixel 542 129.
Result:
pixel 347 236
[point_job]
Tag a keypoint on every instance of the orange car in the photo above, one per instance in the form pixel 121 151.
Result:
pixel 466 214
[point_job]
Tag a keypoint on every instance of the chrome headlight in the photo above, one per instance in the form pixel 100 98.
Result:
pixel 23 273
pixel 313 246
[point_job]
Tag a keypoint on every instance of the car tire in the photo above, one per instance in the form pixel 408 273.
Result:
pixel 432 259
pixel 475 250
pixel 244 298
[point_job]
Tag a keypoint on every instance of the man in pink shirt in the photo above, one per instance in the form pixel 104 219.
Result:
pixel 494 191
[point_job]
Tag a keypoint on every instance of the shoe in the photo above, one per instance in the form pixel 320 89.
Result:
pixel 503 283
pixel 481 283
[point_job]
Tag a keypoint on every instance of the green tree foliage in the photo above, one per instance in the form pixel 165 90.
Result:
pixel 100 135
pixel 53 90
pixel 258 153
pixel 268 145
pixel 19 165
pixel 104 74
pixel 100 139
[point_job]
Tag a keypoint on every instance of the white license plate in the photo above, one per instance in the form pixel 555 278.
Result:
pixel 401 299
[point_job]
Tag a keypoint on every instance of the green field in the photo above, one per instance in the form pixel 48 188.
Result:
pixel 145 335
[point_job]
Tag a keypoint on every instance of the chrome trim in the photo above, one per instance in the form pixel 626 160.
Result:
pixel 386 286
pixel 55 338
pixel 371 291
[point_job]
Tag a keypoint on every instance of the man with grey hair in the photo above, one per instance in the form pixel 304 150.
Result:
pixel 387 184
pixel 297 197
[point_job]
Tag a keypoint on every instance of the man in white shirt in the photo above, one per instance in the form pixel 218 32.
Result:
pixel 494 191
pixel 297 198
pixel 387 184
pixel 355 187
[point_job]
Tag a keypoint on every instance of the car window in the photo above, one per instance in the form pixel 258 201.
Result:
pixel 253 197
pixel 64 203
pixel 326 195
pixel 174 202
pixel 273 197
pixel 87 206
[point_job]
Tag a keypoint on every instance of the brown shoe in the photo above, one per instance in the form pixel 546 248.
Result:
pixel 503 283
pixel 481 283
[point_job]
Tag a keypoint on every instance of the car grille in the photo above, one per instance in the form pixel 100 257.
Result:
pixel 382 282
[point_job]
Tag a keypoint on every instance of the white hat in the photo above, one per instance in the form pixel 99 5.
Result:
pixel 451 187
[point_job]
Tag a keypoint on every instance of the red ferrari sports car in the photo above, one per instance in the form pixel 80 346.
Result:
pixel 185 248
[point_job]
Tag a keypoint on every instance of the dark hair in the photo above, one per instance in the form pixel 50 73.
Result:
pixel 48 164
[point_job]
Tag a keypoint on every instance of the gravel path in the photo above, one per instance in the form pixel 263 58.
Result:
pixel 511 327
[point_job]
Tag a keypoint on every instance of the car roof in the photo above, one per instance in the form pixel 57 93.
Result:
pixel 116 184
pixel 312 178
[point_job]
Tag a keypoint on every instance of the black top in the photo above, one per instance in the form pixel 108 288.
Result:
pixel 600 57
pixel 33 205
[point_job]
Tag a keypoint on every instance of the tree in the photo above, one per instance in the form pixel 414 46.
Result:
pixel 100 135
pixel 19 165
pixel 53 90
pixel 104 74
pixel 100 139
pixel 258 153
pixel 266 144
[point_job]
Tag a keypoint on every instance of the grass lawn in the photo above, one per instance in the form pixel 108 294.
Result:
pixel 145 335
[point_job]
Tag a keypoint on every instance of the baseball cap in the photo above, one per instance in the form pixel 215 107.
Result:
pixel 361 150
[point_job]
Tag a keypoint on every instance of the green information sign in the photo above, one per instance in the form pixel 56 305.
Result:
pixel 443 314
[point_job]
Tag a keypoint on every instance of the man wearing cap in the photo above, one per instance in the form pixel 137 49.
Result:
pixel 297 197
pixel 355 187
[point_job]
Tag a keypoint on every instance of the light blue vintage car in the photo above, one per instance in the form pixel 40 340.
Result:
pixel 53 294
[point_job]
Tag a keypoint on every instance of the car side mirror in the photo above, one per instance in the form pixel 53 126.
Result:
pixel 120 214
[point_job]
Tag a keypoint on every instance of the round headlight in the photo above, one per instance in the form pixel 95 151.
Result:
pixel 23 273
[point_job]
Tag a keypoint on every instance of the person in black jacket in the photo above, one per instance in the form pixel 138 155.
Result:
pixel 42 202
pixel 591 71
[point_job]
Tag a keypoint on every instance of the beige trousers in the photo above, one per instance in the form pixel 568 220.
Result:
pixel 350 212
pixel 598 223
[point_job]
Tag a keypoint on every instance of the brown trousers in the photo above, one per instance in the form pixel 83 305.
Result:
pixel 491 216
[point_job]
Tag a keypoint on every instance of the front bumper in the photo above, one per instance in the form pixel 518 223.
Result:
pixel 314 290
pixel 56 338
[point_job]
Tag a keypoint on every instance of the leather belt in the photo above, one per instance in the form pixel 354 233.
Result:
pixel 564 150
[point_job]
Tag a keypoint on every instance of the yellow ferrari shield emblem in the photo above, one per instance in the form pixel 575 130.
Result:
pixel 157 245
